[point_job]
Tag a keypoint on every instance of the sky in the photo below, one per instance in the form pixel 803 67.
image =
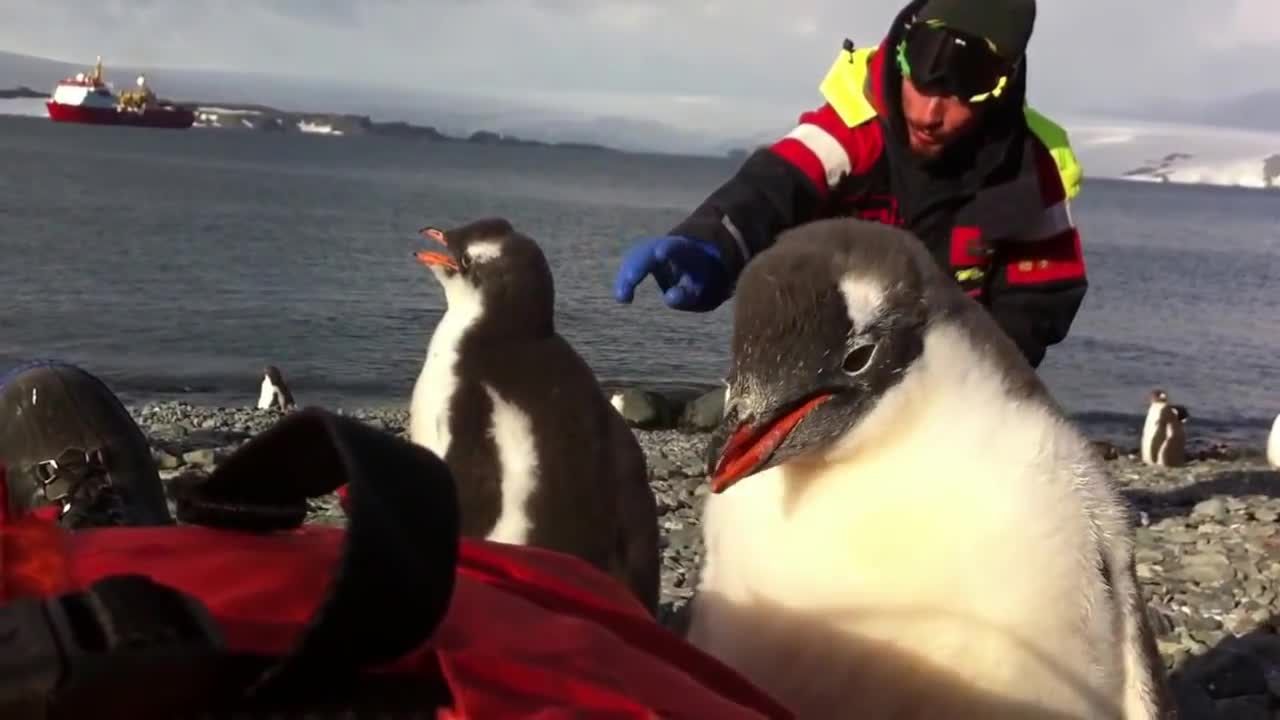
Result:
pixel 690 63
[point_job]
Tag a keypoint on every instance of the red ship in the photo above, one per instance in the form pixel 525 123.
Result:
pixel 87 98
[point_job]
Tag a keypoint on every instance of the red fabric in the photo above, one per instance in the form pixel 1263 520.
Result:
pixel 863 144
pixel 1053 259
pixel 1059 256
pixel 529 633
pixel 32 553
pixel 964 241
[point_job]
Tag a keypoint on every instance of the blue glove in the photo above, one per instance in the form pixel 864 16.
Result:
pixel 690 272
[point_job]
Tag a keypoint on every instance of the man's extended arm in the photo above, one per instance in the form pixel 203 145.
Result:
pixel 781 186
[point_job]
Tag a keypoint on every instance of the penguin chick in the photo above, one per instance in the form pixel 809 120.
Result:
pixel 1173 434
pixel 903 523
pixel 274 392
pixel 539 455
pixel 1273 443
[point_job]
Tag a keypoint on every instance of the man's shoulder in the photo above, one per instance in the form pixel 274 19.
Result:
pixel 1057 144
pixel 844 85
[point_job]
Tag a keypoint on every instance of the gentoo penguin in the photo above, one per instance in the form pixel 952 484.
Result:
pixel 539 454
pixel 1273 443
pixel 902 521
pixel 274 391
pixel 1152 428
pixel 1173 446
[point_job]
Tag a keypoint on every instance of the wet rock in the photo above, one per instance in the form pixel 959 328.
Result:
pixel 704 413
pixel 643 409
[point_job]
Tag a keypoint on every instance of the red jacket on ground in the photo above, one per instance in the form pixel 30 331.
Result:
pixel 528 633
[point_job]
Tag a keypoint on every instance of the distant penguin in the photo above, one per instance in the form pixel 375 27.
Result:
pixel 1273 444
pixel 274 392
pixel 902 522
pixel 1152 428
pixel 539 454
pixel 1173 446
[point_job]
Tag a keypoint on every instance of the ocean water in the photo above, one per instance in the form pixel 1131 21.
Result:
pixel 178 264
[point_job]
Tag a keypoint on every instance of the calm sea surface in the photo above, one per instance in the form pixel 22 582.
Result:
pixel 178 264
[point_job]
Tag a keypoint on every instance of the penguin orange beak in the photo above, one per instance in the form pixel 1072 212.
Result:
pixel 436 259
pixel 751 446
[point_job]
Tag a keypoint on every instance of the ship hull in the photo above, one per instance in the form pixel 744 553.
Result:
pixel 165 117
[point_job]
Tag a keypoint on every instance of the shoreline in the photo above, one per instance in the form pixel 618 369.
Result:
pixel 695 409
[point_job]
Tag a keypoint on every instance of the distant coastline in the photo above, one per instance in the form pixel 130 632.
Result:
pixel 246 117
pixel 1175 168
pixel 22 92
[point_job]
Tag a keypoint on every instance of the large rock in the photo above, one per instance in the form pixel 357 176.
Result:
pixel 1238 679
pixel 643 409
pixel 704 413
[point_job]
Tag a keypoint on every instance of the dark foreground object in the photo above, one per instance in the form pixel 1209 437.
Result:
pixel 74 451
pixel 246 611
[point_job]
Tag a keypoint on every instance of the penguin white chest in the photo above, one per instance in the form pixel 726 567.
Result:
pixel 267 394
pixel 1273 444
pixel 429 408
pixel 900 585
pixel 1152 433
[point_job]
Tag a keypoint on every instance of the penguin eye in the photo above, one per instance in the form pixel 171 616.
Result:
pixel 859 359
pixel 464 262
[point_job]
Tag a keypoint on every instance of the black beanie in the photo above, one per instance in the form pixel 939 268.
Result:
pixel 1006 23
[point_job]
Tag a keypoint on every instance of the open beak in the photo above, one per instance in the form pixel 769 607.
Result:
pixel 436 259
pixel 750 447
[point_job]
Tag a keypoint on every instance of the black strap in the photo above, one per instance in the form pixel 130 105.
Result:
pixel 396 576
pixel 125 647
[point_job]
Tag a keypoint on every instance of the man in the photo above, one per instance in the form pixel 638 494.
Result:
pixel 929 131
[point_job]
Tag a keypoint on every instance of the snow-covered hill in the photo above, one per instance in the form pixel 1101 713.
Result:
pixel 1158 152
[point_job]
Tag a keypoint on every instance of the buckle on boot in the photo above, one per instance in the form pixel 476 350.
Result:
pixel 59 479
pixel 126 647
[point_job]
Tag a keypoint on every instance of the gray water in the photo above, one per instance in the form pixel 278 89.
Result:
pixel 178 264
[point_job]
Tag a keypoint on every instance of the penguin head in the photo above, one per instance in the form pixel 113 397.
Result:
pixel 272 374
pixel 489 261
pixel 827 321
pixel 1158 395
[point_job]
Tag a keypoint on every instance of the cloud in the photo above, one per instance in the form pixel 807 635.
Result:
pixel 1253 24
pixel 736 63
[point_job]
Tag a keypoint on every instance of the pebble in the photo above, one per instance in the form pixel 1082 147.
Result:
pixel 1208 551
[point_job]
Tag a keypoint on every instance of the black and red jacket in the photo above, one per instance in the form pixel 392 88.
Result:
pixel 1011 245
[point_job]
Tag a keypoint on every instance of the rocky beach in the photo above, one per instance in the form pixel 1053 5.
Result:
pixel 1208 541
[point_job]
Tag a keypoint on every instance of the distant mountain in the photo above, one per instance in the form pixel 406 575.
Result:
pixel 1188 153
pixel 21 93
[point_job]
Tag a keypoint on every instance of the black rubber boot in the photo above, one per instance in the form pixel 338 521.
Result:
pixel 70 446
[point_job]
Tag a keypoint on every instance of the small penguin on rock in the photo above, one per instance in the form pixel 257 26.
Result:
pixel 902 522
pixel 1173 434
pixel 274 392
pixel 1273 444
pixel 539 454
pixel 1154 426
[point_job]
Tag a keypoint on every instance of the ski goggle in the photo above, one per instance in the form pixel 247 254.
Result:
pixel 938 59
